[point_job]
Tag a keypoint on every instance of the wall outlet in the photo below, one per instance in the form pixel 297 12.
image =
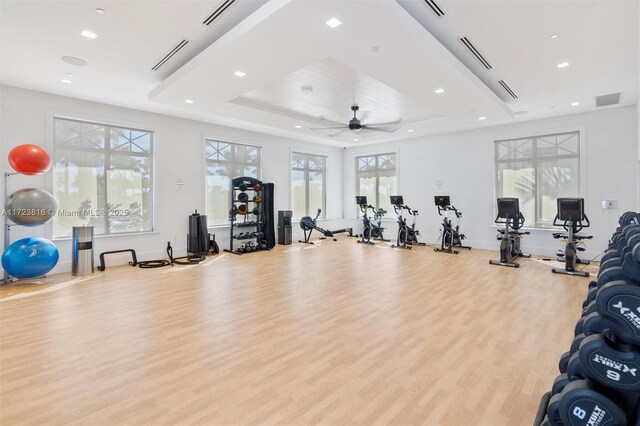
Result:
pixel 610 204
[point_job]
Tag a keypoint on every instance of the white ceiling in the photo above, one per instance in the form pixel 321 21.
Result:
pixel 387 56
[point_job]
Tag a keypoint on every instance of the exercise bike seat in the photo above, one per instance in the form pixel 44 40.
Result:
pixel 565 235
pixel 582 237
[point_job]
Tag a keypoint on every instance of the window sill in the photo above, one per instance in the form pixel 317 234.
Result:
pixel 130 234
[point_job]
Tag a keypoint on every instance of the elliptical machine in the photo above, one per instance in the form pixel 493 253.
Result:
pixel 370 230
pixel 509 214
pixel 407 234
pixel 571 213
pixel 451 236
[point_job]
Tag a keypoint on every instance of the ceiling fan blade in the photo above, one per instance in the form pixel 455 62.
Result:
pixel 339 133
pixel 378 129
pixel 388 123
pixel 328 128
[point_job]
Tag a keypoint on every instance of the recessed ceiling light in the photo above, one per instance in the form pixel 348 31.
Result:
pixel 333 23
pixel 575 103
pixel 439 91
pixel 553 36
pixel 66 81
pixel 188 101
pixel 99 11
pixel 89 34
pixel 74 61
pixel 563 64
pixel 356 139
pixel 482 118
pixel 410 130
pixel 239 73
pixel 297 126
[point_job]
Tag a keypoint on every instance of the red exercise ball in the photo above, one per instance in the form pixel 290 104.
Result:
pixel 29 159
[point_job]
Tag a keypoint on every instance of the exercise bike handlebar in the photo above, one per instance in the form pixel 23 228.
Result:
pixel 577 225
pixel 442 209
pixel 513 223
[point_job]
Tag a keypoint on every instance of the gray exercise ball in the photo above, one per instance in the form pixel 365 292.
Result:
pixel 31 207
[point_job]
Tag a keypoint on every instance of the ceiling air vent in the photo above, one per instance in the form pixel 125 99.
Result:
pixel 506 87
pixel 436 9
pixel 606 100
pixel 475 52
pixel 224 6
pixel 170 55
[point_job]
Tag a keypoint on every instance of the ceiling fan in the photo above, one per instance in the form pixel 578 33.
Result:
pixel 356 125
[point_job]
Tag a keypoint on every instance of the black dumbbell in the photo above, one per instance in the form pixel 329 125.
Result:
pixel 553 409
pixel 574 369
pixel 619 303
pixel 613 273
pixel 591 295
pixel 584 403
pixel 629 218
pixel 595 324
pixel 615 366
pixel 559 383
pixel 630 266
pixel 591 308
pixel 564 362
pixel 575 343
pixel 579 328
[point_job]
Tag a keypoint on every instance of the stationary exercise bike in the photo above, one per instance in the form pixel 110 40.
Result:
pixel 370 229
pixel 509 214
pixel 451 236
pixel 407 234
pixel 308 225
pixel 571 214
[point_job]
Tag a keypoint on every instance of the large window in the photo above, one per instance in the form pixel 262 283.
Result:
pixel 376 179
pixel 103 176
pixel 226 161
pixel 538 170
pixel 308 180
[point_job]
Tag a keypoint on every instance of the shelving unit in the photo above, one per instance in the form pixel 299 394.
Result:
pixel 246 216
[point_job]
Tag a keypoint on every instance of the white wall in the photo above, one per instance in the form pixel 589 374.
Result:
pixel 464 162
pixel 179 154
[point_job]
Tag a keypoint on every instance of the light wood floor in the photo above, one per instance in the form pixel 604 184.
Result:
pixel 339 333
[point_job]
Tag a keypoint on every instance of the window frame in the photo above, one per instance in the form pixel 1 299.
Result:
pixel 205 140
pixel 355 159
pixel 582 169
pixel 292 151
pixel 109 123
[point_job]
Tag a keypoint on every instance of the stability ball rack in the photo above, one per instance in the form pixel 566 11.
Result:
pixel 39 163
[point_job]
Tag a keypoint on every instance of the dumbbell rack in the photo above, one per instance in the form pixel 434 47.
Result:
pixel 599 382
pixel 238 244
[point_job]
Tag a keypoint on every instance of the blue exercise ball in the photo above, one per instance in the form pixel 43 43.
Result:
pixel 31 207
pixel 30 257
